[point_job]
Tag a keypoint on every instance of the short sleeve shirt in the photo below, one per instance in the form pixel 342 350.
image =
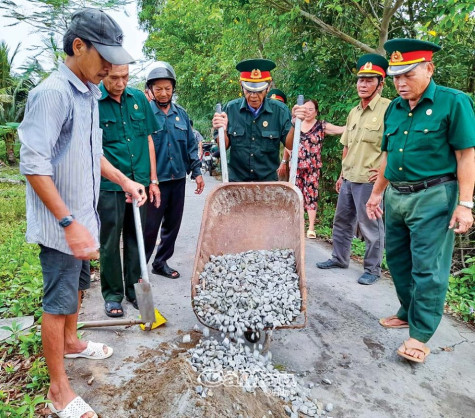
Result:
pixel 126 127
pixel 255 142
pixel 421 142
pixel 362 136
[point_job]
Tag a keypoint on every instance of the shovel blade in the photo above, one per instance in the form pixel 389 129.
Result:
pixel 143 292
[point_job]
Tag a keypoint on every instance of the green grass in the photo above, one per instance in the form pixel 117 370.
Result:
pixel 23 373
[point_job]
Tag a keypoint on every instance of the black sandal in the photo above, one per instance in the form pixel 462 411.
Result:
pixel 134 303
pixel 113 306
pixel 166 271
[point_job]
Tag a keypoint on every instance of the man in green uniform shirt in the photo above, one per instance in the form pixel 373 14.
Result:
pixel 255 126
pixel 429 162
pixel 127 123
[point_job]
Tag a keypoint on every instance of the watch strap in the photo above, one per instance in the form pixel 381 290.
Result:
pixel 467 204
pixel 66 221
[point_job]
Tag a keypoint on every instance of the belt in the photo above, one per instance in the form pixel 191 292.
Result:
pixel 417 187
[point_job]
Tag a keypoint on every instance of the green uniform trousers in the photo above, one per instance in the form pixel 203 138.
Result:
pixel 419 249
pixel 117 217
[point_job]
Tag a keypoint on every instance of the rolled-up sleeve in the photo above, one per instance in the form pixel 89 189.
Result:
pixel 45 114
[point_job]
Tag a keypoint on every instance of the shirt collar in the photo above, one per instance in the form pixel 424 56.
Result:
pixel 371 104
pixel 156 109
pixel 105 93
pixel 429 94
pixel 264 107
pixel 77 83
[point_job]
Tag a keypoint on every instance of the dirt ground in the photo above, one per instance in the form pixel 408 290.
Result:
pixel 164 386
pixel 343 352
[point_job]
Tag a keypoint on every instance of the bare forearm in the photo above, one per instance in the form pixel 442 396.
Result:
pixel 381 182
pixel 466 173
pixel 289 140
pixel 153 159
pixel 111 173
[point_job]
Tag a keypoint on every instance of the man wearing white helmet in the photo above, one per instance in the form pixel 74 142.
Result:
pixel 176 154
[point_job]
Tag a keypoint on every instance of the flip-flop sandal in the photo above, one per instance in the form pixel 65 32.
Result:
pixel 110 306
pixel 74 409
pixel 384 322
pixel 424 350
pixel 93 351
pixel 311 234
pixel 166 271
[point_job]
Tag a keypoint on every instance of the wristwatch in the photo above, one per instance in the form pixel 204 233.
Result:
pixel 467 204
pixel 284 161
pixel 66 221
pixel 154 182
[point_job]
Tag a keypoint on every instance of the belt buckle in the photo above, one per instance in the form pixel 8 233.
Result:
pixel 405 189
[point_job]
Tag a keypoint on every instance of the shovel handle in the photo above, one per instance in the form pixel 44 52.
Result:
pixel 295 146
pixel 109 323
pixel 222 150
pixel 140 243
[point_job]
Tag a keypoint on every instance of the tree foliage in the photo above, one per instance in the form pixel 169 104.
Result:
pixel 315 44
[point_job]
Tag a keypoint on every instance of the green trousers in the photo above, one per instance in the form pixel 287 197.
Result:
pixel 419 249
pixel 117 217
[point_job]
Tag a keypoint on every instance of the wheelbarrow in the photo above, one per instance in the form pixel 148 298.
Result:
pixel 240 216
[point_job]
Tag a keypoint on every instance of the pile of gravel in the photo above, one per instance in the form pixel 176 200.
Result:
pixel 249 291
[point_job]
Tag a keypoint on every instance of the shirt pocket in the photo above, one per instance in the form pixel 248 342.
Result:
pixel 138 122
pixel 236 136
pixel 390 133
pixel 110 129
pixel 352 132
pixel 372 132
pixel 181 131
pixel 271 141
pixel 425 133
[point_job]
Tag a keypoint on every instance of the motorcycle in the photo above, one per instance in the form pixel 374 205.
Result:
pixel 207 162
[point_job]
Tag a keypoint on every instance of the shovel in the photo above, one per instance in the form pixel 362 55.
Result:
pixel 295 146
pixel 143 290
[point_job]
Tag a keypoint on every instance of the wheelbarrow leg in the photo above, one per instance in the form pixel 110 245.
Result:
pixel 267 341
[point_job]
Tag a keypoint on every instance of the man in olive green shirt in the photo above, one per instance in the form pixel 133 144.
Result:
pixel 428 159
pixel 255 126
pixel 361 159
pixel 127 123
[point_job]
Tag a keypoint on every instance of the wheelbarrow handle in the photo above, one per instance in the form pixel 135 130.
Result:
pixel 222 150
pixel 140 242
pixel 295 147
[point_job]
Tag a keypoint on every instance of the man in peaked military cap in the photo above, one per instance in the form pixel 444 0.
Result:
pixel 255 126
pixel 428 160
pixel 277 95
pixel 360 163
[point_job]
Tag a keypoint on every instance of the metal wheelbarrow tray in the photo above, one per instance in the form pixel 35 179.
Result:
pixel 239 217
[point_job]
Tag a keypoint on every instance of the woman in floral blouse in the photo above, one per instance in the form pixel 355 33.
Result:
pixel 310 159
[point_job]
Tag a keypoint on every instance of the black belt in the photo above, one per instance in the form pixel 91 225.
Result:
pixel 417 187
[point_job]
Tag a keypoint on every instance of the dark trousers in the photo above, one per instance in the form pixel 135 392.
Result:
pixel 168 215
pixel 117 217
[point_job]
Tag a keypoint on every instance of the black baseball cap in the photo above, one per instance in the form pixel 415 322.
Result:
pixel 103 32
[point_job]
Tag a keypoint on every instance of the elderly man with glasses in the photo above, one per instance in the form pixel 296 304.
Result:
pixel 255 126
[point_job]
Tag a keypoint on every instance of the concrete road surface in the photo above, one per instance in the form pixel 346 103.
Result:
pixel 342 343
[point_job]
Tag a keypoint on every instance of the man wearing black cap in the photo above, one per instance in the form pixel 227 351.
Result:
pixel 61 157
pixel 255 126
pixel 428 160
pixel 360 162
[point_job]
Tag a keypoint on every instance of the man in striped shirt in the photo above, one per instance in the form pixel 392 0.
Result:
pixel 61 157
